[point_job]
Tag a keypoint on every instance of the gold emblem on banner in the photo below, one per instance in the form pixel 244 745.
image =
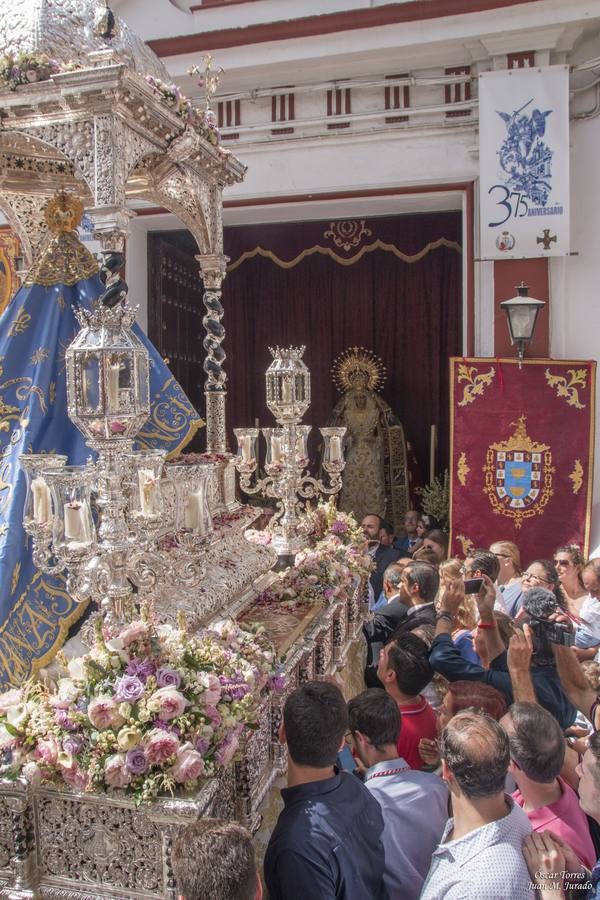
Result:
pixel 576 476
pixel 518 475
pixel 462 469
pixel 476 382
pixel 466 544
pixel 568 388
pixel 20 323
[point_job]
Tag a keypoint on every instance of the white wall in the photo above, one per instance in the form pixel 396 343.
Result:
pixel 575 281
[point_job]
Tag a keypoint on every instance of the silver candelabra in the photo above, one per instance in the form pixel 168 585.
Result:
pixel 129 519
pixel 286 462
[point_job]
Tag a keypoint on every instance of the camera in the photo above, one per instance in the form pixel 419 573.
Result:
pixel 553 632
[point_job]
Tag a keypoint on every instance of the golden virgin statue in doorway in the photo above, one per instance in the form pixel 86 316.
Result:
pixel 375 479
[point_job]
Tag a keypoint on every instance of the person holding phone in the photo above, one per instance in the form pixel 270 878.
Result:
pixel 446 659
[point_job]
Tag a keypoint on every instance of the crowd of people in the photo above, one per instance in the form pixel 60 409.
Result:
pixel 469 767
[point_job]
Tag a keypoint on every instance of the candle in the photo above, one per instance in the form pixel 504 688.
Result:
pixel 300 447
pixel 335 448
pixel 286 390
pixel 246 448
pixel 41 501
pixel 194 512
pixel 275 448
pixel 148 487
pixel 76 522
pixel 113 385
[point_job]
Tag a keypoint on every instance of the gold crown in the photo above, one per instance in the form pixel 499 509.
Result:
pixel 358 367
pixel 63 212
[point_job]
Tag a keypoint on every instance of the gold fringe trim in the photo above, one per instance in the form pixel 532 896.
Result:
pixel 343 261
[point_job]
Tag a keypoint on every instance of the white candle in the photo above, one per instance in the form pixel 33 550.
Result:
pixel 41 501
pixel 113 386
pixel 275 448
pixel 246 447
pixel 76 522
pixel 335 449
pixel 286 390
pixel 148 486
pixel 194 517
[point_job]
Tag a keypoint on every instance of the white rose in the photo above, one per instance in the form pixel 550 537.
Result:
pixel 76 668
pixel 68 692
pixel 17 715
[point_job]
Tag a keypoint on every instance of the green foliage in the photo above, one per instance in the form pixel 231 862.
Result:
pixel 435 499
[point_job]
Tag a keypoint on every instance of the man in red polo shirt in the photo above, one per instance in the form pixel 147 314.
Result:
pixel 404 671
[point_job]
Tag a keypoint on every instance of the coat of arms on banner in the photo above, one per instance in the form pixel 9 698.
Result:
pixel 518 475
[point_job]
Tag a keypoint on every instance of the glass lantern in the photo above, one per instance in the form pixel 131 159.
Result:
pixel 301 448
pixel 246 440
pixel 147 494
pixel 276 449
pixel 73 529
pixel 185 488
pixel 288 384
pixel 107 376
pixel 333 453
pixel 38 511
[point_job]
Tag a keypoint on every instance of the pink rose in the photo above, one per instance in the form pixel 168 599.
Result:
pixel 116 774
pixel 133 632
pixel 48 751
pixel 75 777
pixel 160 745
pixel 103 712
pixel 229 746
pixel 10 699
pixel 189 765
pixel 212 690
pixel 168 703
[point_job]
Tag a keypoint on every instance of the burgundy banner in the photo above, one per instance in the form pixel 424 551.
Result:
pixel 522 452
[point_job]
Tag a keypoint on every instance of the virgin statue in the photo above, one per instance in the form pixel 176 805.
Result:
pixel 375 479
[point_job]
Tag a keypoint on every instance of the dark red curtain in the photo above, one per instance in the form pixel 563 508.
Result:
pixel 408 313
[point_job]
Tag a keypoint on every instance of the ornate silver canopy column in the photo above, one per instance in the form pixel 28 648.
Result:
pixel 213 268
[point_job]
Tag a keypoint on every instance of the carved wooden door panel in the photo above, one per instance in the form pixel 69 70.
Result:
pixel 175 314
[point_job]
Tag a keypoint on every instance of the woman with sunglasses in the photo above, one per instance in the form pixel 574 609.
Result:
pixel 569 562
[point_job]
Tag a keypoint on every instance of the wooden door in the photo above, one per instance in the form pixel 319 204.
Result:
pixel 175 314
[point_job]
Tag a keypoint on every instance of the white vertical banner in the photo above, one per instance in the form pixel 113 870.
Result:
pixel 524 162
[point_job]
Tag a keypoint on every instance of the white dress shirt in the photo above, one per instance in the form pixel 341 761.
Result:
pixel 415 811
pixel 485 864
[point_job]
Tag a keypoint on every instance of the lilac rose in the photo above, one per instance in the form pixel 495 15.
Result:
pixel 142 668
pixel 129 688
pixel 136 761
pixel 166 677
pixel 72 744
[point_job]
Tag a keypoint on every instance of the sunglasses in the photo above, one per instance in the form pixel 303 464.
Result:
pixel 562 562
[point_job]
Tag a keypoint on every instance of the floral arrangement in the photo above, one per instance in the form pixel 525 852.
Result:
pixel 203 122
pixel 150 709
pixel 335 558
pixel 26 68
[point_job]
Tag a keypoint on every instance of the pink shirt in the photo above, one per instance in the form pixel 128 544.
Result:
pixel 566 819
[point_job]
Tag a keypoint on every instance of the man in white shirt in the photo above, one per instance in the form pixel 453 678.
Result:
pixel 414 804
pixel 480 855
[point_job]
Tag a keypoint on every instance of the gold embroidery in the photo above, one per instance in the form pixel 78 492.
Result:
pixel 568 390
pixel 52 392
pixel 15 577
pixel 61 302
pixel 576 476
pixel 7 414
pixel 20 323
pixel 476 382
pixel 466 543
pixel 64 261
pixel 38 356
pixel 462 469
pixel 347 234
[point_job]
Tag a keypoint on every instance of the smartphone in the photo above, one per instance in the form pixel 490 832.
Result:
pixel 345 760
pixel 473 585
